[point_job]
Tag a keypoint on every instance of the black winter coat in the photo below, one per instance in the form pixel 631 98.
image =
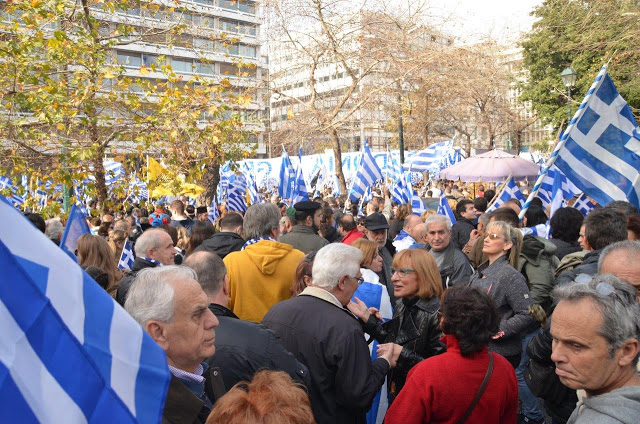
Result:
pixel 221 243
pixel 588 266
pixel 564 248
pixel 559 400
pixel 461 232
pixel 329 340
pixel 416 327
pixel 183 407
pixel 244 348
pixel 127 280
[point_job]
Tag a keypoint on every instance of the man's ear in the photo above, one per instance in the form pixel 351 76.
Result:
pixel 628 352
pixel 225 285
pixel 157 332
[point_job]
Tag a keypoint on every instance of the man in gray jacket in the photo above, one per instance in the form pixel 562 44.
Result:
pixel 453 265
pixel 304 235
pixel 595 330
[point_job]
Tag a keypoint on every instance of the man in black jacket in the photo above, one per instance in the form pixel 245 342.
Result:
pixel 228 239
pixel 461 230
pixel 454 266
pixel 329 340
pixel 242 347
pixel 153 248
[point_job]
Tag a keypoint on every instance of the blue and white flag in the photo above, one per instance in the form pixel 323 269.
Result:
pixel 300 192
pixel 558 194
pixel 401 193
pixel 236 193
pixel 545 193
pixel 252 189
pixel 445 209
pixel 509 191
pixel 287 176
pixel 68 352
pixel 126 257
pixel 429 159
pixel 584 205
pixel 600 151
pixel 14 197
pixel 540 230
pixel 214 213
pixel 76 226
pixel 417 205
pixel 367 175
pixel 113 172
pixel 393 170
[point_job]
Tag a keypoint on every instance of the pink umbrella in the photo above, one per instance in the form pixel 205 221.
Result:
pixel 495 165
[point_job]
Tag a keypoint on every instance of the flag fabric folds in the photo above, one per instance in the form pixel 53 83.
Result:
pixel 583 204
pixel 14 197
pixel 214 213
pixel 600 151
pixel 236 194
pixel 557 196
pixel 509 191
pixel 417 205
pixel 300 192
pixel 287 176
pixel 126 257
pixel 367 174
pixel 429 159
pixel 546 189
pixel 76 226
pixel 68 352
pixel 445 209
pixel 401 193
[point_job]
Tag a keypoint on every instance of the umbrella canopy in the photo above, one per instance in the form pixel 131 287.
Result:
pixel 495 165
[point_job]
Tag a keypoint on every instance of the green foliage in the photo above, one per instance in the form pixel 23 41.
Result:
pixel 584 35
pixel 67 101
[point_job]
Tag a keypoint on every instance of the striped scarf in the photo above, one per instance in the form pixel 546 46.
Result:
pixel 254 241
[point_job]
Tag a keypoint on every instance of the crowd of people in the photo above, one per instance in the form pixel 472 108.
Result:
pixel 332 313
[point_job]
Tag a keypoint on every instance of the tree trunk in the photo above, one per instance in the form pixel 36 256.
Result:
pixel 337 155
pixel 211 181
pixel 518 141
pixel 425 140
pixel 467 145
pixel 101 185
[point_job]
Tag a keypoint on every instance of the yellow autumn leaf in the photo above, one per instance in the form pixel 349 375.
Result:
pixel 144 70
pixel 60 126
pixel 290 114
pixel 109 75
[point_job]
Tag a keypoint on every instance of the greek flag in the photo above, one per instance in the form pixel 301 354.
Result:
pixel 336 186
pixel 252 189
pixel 393 170
pixel 138 189
pixel 300 192
pixel 401 193
pixel 509 191
pixel 76 226
pixel 126 257
pixel 7 184
pixel 600 151
pixel 584 205
pixel 236 194
pixel 452 158
pixel 417 205
pixel 540 230
pixel 225 175
pixel 558 194
pixel 375 295
pixel 113 172
pixel 368 173
pixel 445 209
pixel 546 189
pixel 429 159
pixel 68 352
pixel 366 198
pixel 214 213
pixel 287 177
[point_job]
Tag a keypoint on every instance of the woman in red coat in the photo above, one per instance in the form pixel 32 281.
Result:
pixel 442 388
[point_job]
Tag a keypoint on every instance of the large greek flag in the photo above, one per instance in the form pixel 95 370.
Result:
pixel 68 352
pixel 445 209
pixel 429 159
pixel 600 151
pixel 545 193
pixel 509 191
pixel 287 177
pixel 368 173
pixel 300 192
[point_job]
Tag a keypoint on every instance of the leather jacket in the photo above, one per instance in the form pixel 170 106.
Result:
pixel 416 327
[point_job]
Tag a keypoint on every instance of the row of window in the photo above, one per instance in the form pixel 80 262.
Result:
pixel 305 83
pixel 184 65
pixel 244 6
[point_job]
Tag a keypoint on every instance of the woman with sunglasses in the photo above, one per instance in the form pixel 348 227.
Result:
pixel 499 278
pixel 414 331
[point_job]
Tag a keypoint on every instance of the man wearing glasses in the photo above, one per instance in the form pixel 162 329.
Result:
pixel 317 329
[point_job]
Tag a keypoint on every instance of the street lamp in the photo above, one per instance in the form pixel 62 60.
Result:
pixel 569 80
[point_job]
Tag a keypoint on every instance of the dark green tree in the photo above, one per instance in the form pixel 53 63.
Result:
pixel 584 35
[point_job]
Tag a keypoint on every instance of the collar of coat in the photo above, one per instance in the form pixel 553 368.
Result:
pixel 321 294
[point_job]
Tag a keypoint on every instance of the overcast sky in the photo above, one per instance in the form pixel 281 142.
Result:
pixel 504 20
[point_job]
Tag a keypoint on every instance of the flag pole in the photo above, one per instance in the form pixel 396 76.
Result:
pixel 497 196
pixel 562 141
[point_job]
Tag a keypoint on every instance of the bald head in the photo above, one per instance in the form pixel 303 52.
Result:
pixel 419 233
pixel 410 222
pixel 623 260
pixel 210 270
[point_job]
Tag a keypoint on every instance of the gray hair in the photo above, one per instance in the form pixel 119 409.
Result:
pixel 260 219
pixel 150 239
pixel 332 262
pixel 615 299
pixel 630 248
pixel 151 296
pixel 438 219
pixel 210 269
pixel 484 219
pixel 54 228
pixel 122 225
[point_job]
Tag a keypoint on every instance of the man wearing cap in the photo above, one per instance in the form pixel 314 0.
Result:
pixel 375 229
pixel 304 235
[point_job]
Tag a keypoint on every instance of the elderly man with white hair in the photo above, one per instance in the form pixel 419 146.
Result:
pixel 454 266
pixel 173 309
pixel 327 338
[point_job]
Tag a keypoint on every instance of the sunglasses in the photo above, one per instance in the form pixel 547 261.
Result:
pixel 495 236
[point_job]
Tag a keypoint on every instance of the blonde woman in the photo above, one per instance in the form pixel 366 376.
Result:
pixel 499 278
pixel 116 242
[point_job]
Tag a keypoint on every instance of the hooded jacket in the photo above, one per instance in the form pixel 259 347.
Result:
pixel 536 263
pixel 618 406
pixel 260 276
pixel 221 243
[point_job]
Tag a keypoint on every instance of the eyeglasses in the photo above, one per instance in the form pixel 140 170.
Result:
pixel 402 272
pixel 494 236
pixel 603 288
pixel 360 280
